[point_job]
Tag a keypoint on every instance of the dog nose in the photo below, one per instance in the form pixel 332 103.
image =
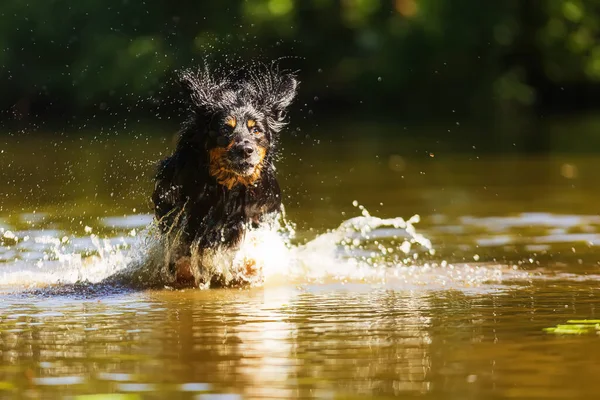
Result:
pixel 244 149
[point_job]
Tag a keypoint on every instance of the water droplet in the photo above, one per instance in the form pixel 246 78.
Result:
pixel 379 79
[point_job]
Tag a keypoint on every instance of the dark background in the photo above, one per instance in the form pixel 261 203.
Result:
pixel 498 73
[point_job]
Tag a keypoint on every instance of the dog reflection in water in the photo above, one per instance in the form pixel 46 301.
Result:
pixel 219 184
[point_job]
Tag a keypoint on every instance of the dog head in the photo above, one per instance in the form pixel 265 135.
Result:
pixel 236 119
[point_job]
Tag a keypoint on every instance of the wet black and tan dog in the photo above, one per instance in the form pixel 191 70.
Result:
pixel 221 179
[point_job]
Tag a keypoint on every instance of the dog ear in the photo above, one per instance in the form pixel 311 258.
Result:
pixel 283 95
pixel 272 90
pixel 202 88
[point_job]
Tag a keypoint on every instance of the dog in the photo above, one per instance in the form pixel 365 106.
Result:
pixel 220 180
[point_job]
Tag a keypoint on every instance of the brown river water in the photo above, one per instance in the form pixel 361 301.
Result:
pixel 361 298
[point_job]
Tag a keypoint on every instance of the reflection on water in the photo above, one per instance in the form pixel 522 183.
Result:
pixel 318 342
pixel 451 306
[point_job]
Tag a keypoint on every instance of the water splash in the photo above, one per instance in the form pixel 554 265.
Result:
pixel 372 250
pixel 51 259
pixel 363 249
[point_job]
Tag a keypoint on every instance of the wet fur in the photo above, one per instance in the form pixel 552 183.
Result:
pixel 200 203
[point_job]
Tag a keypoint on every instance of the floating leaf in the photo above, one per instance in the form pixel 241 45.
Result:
pixel 576 327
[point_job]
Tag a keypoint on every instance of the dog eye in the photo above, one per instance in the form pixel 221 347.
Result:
pixel 255 130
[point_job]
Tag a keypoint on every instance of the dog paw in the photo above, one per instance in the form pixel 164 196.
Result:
pixel 183 270
pixel 249 267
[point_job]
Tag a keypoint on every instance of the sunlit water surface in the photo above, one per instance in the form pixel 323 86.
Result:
pixel 391 275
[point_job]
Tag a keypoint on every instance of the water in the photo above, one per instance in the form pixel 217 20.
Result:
pixel 355 303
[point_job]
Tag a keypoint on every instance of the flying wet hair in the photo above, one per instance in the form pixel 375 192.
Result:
pixel 220 180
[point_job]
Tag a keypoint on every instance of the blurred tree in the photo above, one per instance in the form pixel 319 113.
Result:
pixel 398 57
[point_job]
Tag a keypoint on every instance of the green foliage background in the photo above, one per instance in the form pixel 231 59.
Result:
pixel 391 57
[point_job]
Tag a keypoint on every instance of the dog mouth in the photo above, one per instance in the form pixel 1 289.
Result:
pixel 241 167
pixel 231 169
